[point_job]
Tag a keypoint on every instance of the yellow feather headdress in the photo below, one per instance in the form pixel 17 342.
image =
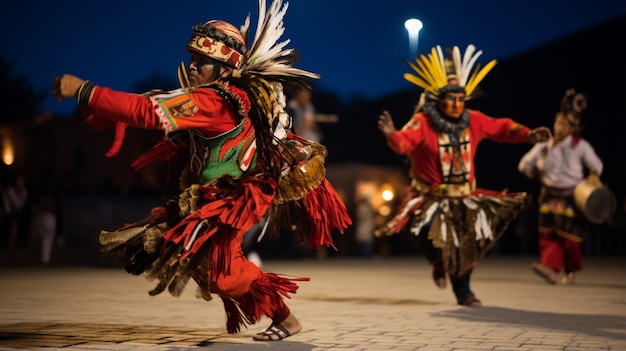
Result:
pixel 432 75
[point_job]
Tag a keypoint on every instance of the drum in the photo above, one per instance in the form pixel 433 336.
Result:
pixel 595 201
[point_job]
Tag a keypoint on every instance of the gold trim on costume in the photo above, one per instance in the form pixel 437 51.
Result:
pixel 569 236
pixel 445 190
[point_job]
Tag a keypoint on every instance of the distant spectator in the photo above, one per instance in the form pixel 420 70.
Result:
pixel 305 118
pixel 15 197
pixel 45 225
pixel 4 218
pixel 365 227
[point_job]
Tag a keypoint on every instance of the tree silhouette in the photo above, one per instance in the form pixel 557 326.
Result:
pixel 19 100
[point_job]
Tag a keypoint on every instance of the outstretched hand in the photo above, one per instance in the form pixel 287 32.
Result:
pixel 66 86
pixel 385 124
pixel 539 134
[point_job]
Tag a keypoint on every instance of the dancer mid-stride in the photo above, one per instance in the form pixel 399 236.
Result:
pixel 228 120
pixel 453 221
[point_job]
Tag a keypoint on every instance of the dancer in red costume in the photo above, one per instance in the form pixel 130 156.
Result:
pixel 454 222
pixel 243 163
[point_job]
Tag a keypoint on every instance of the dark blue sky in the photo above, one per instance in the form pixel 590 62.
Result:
pixel 355 45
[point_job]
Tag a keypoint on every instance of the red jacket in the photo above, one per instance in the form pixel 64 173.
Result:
pixel 419 142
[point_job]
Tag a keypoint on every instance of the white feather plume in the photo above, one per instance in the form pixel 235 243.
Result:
pixel 469 59
pixel 267 56
pixel 456 59
pixel 463 67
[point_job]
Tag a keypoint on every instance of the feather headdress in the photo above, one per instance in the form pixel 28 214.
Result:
pixel 433 76
pixel 303 191
pixel 267 56
pixel 260 68
pixel 267 66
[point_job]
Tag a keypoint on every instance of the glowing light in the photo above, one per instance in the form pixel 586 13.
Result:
pixel 384 210
pixel 413 26
pixel 8 152
pixel 387 195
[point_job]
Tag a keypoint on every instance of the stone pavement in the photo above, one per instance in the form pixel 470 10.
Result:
pixel 350 304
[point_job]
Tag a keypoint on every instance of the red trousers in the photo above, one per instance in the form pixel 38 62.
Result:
pixel 558 252
pixel 244 279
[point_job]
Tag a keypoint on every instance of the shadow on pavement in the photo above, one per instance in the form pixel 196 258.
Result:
pixel 607 326
pixel 368 300
pixel 28 336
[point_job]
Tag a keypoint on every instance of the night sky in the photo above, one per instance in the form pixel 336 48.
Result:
pixel 356 46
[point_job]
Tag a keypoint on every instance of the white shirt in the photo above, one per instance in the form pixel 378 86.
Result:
pixel 561 166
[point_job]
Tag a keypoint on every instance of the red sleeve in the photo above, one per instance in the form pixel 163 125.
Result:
pixel 407 139
pixel 132 109
pixel 203 109
pixel 500 130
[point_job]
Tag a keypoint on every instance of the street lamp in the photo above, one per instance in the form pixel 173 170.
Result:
pixel 413 26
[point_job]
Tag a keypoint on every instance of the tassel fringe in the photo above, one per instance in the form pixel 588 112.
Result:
pixel 265 298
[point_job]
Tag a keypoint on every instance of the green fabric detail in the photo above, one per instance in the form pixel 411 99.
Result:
pixel 232 143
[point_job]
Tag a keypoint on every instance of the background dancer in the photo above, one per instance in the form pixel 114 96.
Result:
pixel 454 222
pixel 559 165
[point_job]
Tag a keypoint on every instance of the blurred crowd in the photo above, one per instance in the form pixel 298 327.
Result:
pixel 30 215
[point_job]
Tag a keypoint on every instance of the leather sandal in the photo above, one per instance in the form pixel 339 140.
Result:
pixel 274 332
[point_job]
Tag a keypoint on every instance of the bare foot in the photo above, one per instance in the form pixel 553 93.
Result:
pixel 279 331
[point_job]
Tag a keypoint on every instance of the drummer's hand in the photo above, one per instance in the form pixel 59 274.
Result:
pixel 539 134
pixel 66 86
pixel 530 174
pixel 594 179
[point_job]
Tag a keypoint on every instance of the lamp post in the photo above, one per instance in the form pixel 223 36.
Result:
pixel 413 27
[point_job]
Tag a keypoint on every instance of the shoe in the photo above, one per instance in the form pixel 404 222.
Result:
pixel 471 301
pixel 546 273
pixel 568 279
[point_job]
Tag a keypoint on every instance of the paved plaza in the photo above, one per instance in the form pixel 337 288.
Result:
pixel 350 304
